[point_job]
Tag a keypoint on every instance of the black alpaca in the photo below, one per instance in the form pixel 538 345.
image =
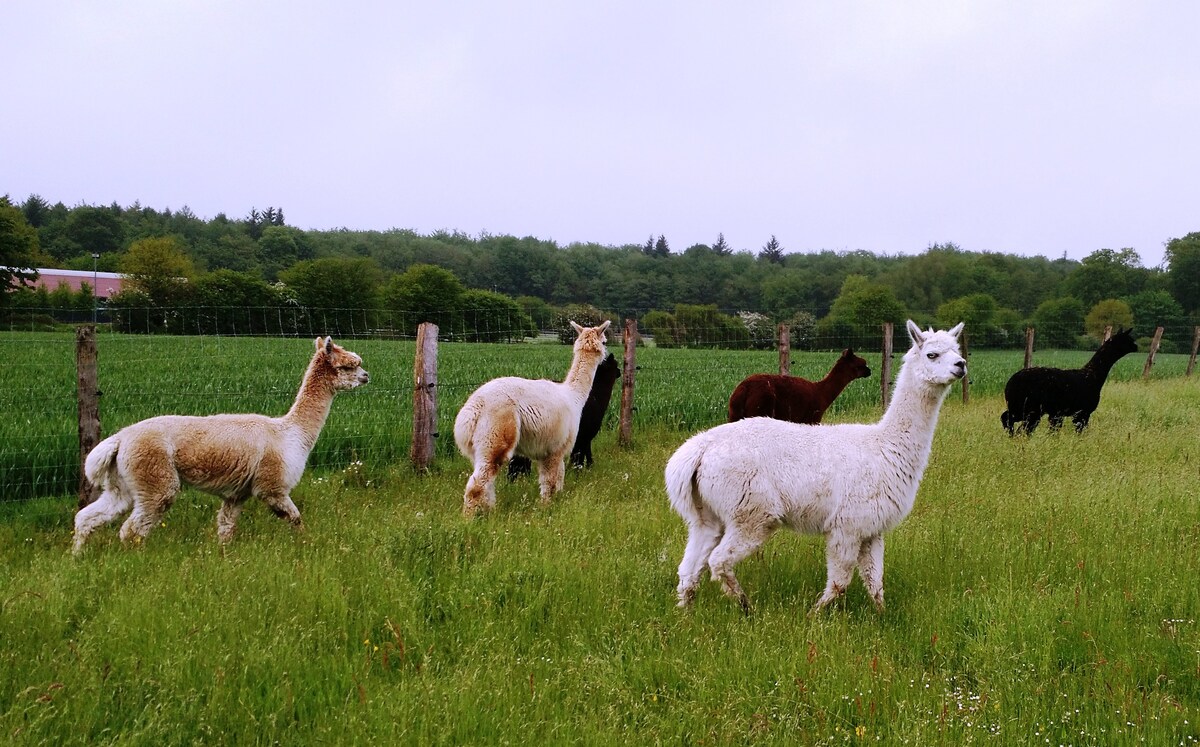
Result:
pixel 590 419
pixel 1058 393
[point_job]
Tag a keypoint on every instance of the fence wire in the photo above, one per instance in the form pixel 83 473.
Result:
pixel 223 367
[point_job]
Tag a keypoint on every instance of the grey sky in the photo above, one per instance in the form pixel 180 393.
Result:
pixel 1025 127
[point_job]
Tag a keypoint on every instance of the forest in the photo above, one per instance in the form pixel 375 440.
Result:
pixel 258 275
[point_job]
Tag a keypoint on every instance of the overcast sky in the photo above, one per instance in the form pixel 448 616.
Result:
pixel 1028 127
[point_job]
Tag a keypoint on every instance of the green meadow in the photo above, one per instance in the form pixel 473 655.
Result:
pixel 1043 590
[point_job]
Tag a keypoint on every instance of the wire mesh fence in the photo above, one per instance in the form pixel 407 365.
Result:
pixel 219 368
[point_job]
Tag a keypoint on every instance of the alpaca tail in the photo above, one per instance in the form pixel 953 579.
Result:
pixel 101 460
pixel 681 480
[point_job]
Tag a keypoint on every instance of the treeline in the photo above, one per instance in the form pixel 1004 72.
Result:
pixel 180 264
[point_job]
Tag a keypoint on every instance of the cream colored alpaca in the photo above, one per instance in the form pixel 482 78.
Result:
pixel 538 419
pixel 233 456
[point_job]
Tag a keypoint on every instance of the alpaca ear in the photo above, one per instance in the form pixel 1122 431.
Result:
pixel 957 329
pixel 317 343
pixel 848 353
pixel 575 326
pixel 604 326
pixel 914 333
pixel 328 345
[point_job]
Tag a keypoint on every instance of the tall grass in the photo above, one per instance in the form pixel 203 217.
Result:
pixel 1042 592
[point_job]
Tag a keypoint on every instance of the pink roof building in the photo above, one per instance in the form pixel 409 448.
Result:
pixel 105 283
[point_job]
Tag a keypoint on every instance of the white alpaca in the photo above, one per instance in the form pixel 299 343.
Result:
pixel 737 483
pixel 233 456
pixel 538 419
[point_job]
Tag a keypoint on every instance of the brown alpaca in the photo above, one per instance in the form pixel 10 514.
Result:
pixel 792 398
pixel 534 418
pixel 233 456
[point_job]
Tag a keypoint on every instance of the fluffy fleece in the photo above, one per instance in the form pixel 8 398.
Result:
pixel 537 419
pixel 590 419
pixel 735 484
pixel 1061 393
pixel 233 456
pixel 792 398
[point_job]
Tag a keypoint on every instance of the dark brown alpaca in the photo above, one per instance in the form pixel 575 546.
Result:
pixel 793 398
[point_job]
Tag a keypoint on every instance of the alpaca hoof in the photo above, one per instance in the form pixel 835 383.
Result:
pixel 744 603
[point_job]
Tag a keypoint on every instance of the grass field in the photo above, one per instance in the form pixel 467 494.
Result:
pixel 141 376
pixel 1043 591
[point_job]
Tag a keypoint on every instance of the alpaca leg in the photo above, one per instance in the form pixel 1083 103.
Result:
pixel 702 538
pixel 1055 422
pixel 104 509
pixel 1031 422
pixel 550 475
pixel 870 567
pixel 1080 420
pixel 841 555
pixel 740 540
pixel 227 516
pixel 481 488
pixel 284 508
pixel 1007 421
pixel 145 515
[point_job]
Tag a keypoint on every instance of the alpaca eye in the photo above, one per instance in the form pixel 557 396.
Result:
pixel 931 356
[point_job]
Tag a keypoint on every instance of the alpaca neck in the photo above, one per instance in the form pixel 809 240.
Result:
pixel 913 411
pixel 582 372
pixel 832 385
pixel 1101 363
pixel 311 408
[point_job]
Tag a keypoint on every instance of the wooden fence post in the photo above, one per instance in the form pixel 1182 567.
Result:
pixel 89 405
pixel 1195 347
pixel 785 350
pixel 1028 347
pixel 1154 343
pixel 966 380
pixel 625 431
pixel 424 396
pixel 885 365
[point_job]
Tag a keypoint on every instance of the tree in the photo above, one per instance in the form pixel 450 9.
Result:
pixel 1059 322
pixel 235 303
pixel 661 248
pixel 1152 309
pixel 1110 312
pixel 772 251
pixel 278 249
pixel 494 317
pixel 340 294
pixel 721 247
pixel 859 312
pixel 538 310
pixel 423 293
pixel 18 249
pixel 91 230
pixel 1106 273
pixel 583 314
pixel 978 312
pixel 159 268
pixel 1183 271
pixel 36 210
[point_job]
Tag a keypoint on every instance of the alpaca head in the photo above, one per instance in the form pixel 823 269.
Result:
pixel 341 367
pixel 1121 343
pixel 857 367
pixel 590 339
pixel 934 357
